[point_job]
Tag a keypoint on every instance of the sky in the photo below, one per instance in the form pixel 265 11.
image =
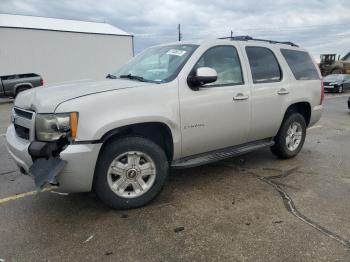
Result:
pixel 320 26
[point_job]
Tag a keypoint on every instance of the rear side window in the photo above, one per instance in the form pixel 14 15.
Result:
pixel 263 64
pixel 301 64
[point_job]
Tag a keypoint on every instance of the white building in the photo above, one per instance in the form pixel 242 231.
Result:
pixel 61 50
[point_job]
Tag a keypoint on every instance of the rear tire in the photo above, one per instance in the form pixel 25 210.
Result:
pixel 291 136
pixel 130 172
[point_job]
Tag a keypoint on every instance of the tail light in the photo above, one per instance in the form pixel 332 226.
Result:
pixel 41 81
pixel 322 92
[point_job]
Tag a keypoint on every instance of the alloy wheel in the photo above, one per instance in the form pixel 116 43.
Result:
pixel 131 174
pixel 294 136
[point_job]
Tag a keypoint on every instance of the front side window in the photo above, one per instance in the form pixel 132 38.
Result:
pixel 263 65
pixel 225 61
pixel 158 64
pixel 301 64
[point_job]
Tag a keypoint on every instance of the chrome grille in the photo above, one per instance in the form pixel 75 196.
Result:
pixel 24 123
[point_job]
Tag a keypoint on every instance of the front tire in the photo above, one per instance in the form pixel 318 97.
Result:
pixel 130 172
pixel 291 136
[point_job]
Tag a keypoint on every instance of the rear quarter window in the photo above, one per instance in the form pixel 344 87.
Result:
pixel 301 64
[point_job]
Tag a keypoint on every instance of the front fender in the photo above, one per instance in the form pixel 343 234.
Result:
pixel 103 112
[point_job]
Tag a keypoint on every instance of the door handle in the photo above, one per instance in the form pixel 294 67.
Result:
pixel 283 91
pixel 240 96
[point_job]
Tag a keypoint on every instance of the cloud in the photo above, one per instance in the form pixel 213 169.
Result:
pixel 318 25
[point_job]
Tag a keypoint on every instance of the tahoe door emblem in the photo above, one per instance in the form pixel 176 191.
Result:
pixel 193 126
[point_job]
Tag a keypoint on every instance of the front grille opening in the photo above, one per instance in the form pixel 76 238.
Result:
pixel 22 132
pixel 24 114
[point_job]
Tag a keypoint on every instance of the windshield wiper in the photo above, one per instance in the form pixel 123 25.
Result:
pixel 111 76
pixel 133 77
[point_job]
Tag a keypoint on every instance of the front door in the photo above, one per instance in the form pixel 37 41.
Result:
pixel 218 114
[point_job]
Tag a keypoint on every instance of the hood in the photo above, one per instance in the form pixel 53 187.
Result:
pixel 46 99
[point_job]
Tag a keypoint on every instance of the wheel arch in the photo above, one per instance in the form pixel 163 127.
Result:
pixel 303 108
pixel 158 132
pixel 20 85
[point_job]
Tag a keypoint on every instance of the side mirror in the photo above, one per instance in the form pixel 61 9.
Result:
pixel 203 75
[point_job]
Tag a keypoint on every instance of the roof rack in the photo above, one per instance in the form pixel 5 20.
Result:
pixel 247 38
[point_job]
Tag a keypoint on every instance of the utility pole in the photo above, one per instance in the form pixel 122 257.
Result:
pixel 231 33
pixel 179 31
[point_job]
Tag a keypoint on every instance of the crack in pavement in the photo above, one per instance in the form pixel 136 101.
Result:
pixel 289 204
pixel 285 173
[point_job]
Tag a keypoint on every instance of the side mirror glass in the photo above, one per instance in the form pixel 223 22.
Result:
pixel 203 75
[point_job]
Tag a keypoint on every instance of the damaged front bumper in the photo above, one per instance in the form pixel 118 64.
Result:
pixel 45 171
pixel 72 171
pixel 47 164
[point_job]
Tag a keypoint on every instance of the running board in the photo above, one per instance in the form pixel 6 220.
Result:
pixel 220 154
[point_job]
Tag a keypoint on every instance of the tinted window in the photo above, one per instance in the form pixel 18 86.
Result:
pixel 225 60
pixel 301 64
pixel 263 64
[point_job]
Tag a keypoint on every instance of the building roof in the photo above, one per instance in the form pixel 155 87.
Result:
pixel 54 24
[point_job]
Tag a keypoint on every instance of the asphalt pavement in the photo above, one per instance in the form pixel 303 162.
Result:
pixel 251 208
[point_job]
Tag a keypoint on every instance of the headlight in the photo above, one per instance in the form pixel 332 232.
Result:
pixel 51 127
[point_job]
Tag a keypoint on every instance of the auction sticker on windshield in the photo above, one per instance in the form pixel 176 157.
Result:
pixel 176 52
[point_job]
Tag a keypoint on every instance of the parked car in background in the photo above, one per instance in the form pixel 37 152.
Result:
pixel 349 103
pixel 12 85
pixel 177 105
pixel 336 83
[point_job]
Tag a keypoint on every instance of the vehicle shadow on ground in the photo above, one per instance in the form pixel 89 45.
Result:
pixel 182 180
pixel 247 182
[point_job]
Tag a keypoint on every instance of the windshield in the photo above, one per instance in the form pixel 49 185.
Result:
pixel 335 77
pixel 156 64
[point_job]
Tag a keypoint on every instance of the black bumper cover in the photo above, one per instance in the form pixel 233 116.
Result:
pixel 45 170
pixel 47 164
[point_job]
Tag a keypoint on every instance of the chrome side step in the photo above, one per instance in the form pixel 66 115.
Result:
pixel 220 154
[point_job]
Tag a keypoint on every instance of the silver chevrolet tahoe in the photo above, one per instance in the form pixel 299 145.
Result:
pixel 177 105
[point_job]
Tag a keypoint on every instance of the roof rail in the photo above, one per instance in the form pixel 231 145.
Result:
pixel 247 38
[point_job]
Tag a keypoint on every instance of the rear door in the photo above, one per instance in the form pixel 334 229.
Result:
pixel 10 83
pixel 270 90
